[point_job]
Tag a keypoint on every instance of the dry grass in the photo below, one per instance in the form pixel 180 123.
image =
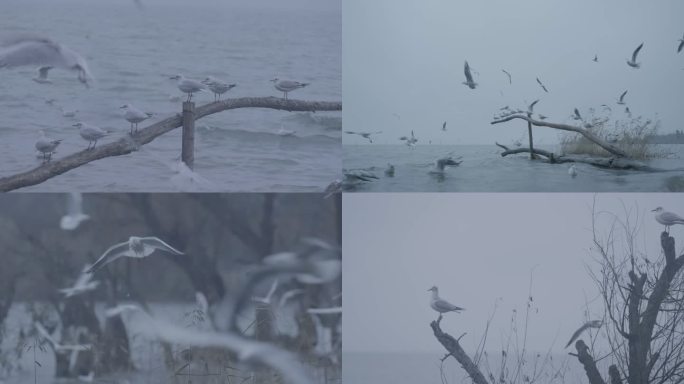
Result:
pixel 631 135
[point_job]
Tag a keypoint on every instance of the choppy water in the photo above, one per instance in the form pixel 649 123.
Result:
pixel 484 170
pixel 132 53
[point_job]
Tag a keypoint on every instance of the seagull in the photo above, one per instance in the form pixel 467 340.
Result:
pixel 577 115
pixel 572 171
pixel 510 81
pixel 286 86
pixel 27 49
pixel 365 135
pixel 75 214
pixel 82 284
pixel 587 325
pixel 441 305
pixel 218 87
pixel 188 86
pixel 681 45
pixel 42 76
pixel 632 63
pixel 607 107
pixel 90 133
pixel 542 85
pixel 666 218
pixel 621 101
pixel 530 108
pixel 134 116
pixel 444 126
pixel 389 172
pixel 443 162
pixel 323 266
pixel 46 146
pixel 627 111
pixel 137 247
pixel 595 59
pixel 469 77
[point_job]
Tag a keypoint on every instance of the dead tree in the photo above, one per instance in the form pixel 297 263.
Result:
pixel 644 302
pixel 454 348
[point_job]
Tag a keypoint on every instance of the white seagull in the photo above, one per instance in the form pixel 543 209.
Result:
pixel 82 284
pixel 666 218
pixel 621 101
pixel 46 145
pixel 443 162
pixel 441 305
pixel 134 116
pixel 26 49
pixel 137 247
pixel 510 81
pixel 218 87
pixel 75 214
pixel 90 133
pixel 470 83
pixel 286 86
pixel 572 171
pixel 320 259
pixel 542 85
pixel 632 63
pixel 584 327
pixel 189 86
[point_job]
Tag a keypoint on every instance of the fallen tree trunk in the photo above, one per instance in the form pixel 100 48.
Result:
pixel 129 144
pixel 454 348
pixel 565 127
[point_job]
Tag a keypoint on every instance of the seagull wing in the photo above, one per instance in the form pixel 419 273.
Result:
pixel 443 305
pixel 510 81
pixel 636 52
pixel 157 243
pixel 41 52
pixel 577 334
pixel 622 97
pixel 671 217
pixel 111 254
pixel 533 104
pixel 468 75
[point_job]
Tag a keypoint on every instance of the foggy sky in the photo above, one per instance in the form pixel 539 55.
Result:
pixel 478 248
pixel 409 59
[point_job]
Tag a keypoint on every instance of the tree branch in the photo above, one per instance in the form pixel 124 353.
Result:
pixel 455 350
pixel 144 136
pixel 588 362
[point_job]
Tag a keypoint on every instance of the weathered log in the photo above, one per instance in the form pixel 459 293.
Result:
pixel 565 127
pixel 536 151
pixel 454 348
pixel 144 136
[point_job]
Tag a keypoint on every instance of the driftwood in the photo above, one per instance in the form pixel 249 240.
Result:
pixel 454 348
pixel 144 136
pixel 565 127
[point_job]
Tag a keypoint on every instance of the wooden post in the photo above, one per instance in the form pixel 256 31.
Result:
pixel 529 131
pixel 188 145
pixel 264 333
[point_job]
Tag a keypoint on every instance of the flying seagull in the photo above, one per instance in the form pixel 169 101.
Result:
pixel 82 284
pixel 137 247
pixel 666 218
pixel 27 49
pixel 510 81
pixel 542 85
pixel 595 59
pixel 469 77
pixel 365 135
pixel 622 98
pixel 587 325
pixel 444 126
pixel 607 107
pixel 443 162
pixel 75 214
pixel 681 45
pixel 632 63
pixel 627 111
pixel 530 108
pixel 577 115
pixel 321 260
pixel 286 86
pixel 441 305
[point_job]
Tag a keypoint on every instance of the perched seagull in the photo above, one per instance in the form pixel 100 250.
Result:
pixel 286 86
pixel 681 45
pixel 469 77
pixel 666 218
pixel 443 162
pixel 218 87
pixel 188 86
pixel 389 172
pixel 137 247
pixel 82 284
pixel 572 171
pixel 26 49
pixel 75 214
pixel 587 325
pixel 632 63
pixel 134 116
pixel 441 305
pixel 577 115
pixel 46 145
pixel 365 135
pixel 42 76
pixel 444 126
pixel 510 81
pixel 542 85
pixel 90 133
pixel 595 59
pixel 530 108
pixel 621 101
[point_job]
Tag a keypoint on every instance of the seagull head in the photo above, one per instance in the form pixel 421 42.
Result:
pixel 274 79
pixel 659 209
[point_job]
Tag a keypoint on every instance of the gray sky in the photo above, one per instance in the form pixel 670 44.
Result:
pixel 409 59
pixel 477 248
